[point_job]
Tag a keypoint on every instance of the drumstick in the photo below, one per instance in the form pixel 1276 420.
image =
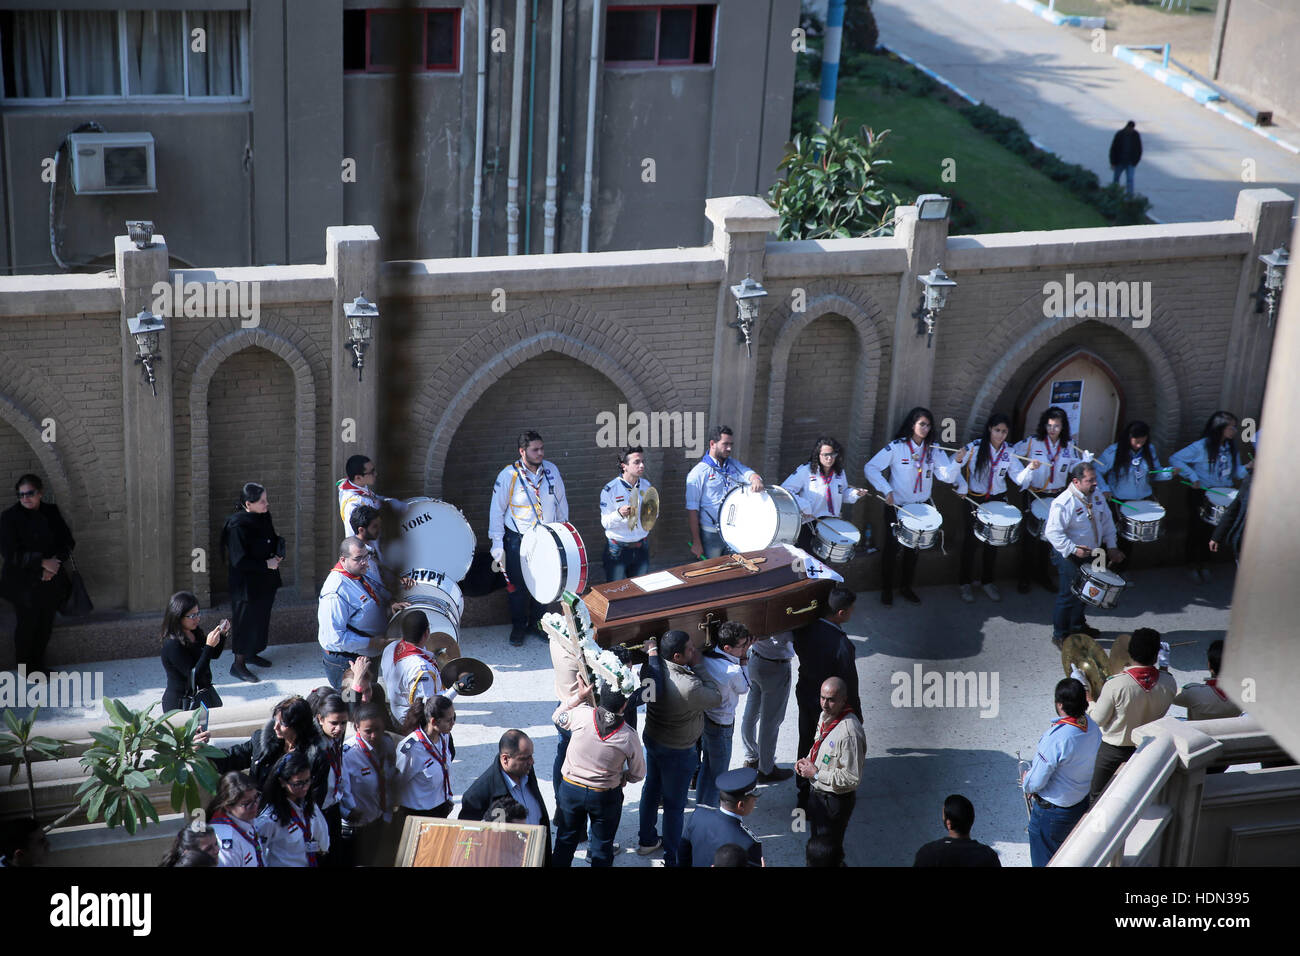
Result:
pixel 950 448
pixel 1124 504
pixel 1184 643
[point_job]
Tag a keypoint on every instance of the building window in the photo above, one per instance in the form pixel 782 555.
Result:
pixel 55 56
pixel 372 41
pixel 660 36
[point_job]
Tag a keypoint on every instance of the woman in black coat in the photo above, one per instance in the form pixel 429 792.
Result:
pixel 34 543
pixel 183 652
pixel 254 552
pixel 292 727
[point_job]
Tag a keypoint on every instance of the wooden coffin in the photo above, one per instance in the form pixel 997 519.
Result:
pixel 768 600
pixel 432 841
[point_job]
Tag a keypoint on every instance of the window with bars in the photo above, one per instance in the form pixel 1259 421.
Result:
pixel 52 56
pixel 372 41
pixel 680 35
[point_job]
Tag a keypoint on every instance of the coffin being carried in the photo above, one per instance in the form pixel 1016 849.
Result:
pixel 764 590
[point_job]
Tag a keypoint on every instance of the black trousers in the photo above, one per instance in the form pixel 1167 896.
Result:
pixel 250 625
pixel 1196 548
pixel 970 543
pixel 340 854
pixel 1109 759
pixel 365 844
pixel 524 611
pixel 892 547
pixel 1035 554
pixel 828 818
pixel 32 634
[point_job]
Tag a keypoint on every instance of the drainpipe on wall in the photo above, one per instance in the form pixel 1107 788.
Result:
pixel 516 116
pixel 528 149
pixel 830 62
pixel 591 124
pixel 553 126
pixel 477 209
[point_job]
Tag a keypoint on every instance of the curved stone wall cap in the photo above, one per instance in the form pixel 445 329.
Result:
pixel 741 214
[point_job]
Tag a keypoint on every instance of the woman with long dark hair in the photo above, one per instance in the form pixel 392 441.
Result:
pixel 185 657
pixel 232 816
pixel 1212 461
pixel 424 760
pixel 986 463
pixel 821 486
pixel 291 727
pixel 291 824
pixel 34 543
pixel 913 463
pixel 332 724
pixel 1125 471
pixel 192 848
pixel 254 551
pixel 1051 455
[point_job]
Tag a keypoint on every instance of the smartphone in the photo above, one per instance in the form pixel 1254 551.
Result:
pixel 203 717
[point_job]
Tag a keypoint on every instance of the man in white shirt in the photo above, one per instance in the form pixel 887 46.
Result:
pixel 1078 522
pixel 627 553
pixel 528 492
pixel 725 666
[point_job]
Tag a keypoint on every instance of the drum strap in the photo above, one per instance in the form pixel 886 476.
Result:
pixel 534 499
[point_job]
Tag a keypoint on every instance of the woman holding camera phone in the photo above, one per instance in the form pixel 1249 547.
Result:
pixel 254 551
pixel 183 653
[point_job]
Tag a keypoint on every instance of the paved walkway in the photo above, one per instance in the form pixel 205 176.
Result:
pixel 917 755
pixel 1072 100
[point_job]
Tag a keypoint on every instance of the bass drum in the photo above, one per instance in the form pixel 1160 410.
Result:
pixel 752 522
pixel 435 537
pixel 554 560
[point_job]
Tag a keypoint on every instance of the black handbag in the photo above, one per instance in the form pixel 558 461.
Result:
pixel 77 603
pixel 207 696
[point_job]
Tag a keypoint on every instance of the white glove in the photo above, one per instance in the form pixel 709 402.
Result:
pixel 1087 456
pixel 1162 658
pixel 499 558
pixel 1078 675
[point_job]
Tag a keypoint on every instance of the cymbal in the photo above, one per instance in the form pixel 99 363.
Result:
pixel 1082 650
pixel 649 511
pixel 1119 655
pixel 476 669
pixel 442 646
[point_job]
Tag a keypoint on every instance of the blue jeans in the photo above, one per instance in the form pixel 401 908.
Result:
pixel 574 806
pixel 1048 828
pixel 714 546
pixel 623 562
pixel 335 663
pixel 668 775
pixel 1128 176
pixel 1067 616
pixel 717 759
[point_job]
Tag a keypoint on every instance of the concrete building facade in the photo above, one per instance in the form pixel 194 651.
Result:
pixel 283 126
pixel 503 344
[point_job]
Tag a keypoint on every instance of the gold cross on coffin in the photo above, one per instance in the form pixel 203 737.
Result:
pixel 468 843
pixel 737 561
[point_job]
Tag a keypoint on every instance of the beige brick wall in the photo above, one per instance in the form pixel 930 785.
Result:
pixel 819 392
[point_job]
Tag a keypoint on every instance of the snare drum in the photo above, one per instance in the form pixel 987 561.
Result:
pixel 1098 588
pixel 442 604
pixel 1036 520
pixel 1140 520
pixel 1216 503
pixel 835 539
pixel 752 522
pixel 997 523
pixel 436 536
pixel 554 560
pixel 918 525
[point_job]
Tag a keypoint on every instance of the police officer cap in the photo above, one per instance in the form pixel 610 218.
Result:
pixel 739 782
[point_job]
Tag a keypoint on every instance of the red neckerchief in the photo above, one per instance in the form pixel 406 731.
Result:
pixel 405 650
pixel 920 465
pixel 222 817
pixel 359 579
pixel 1051 459
pixel 347 485
pixel 993 466
pixel 441 758
pixel 1213 684
pixel 825 731
pixel 830 506
pixel 334 753
pixel 379 774
pixel 1079 722
pixel 1145 676
pixel 305 826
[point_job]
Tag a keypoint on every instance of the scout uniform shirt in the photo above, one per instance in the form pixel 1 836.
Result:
pixel 1073 522
pixel 992 478
pixel 237 841
pixel 409 672
pixel 619 494
pixel 1135 484
pixel 349 613
pixel 521 499
pixel 1057 461
pixel 708 483
pixel 837 753
pixel 818 495
pixel 912 470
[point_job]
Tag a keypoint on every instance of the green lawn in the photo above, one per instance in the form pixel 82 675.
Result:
pixel 996 190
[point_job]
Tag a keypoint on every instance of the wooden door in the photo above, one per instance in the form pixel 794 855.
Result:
pixel 1095 415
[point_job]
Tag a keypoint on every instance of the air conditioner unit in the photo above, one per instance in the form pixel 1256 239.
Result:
pixel 107 163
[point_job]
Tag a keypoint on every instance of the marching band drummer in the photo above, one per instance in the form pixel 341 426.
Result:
pixel 913 464
pixel 627 553
pixel 1127 474
pixel 1051 455
pixel 1211 461
pixel 357 489
pixel 408 671
pixel 528 492
pixel 1079 521
pixel 985 462
pixel 707 484
pixel 820 486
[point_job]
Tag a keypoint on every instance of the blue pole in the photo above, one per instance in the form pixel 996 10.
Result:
pixel 830 62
